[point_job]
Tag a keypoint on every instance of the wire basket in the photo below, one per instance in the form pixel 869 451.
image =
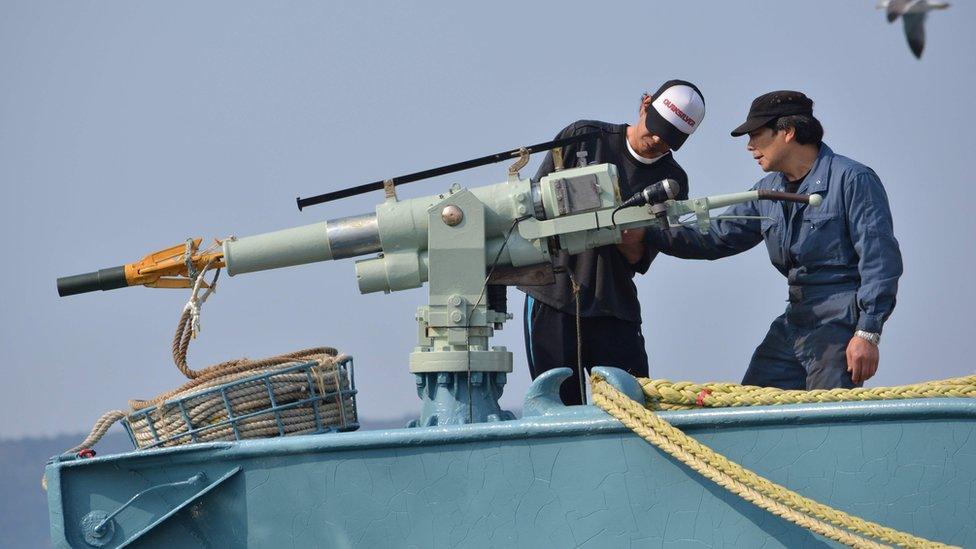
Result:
pixel 305 398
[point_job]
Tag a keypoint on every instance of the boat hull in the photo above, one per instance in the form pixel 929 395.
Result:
pixel 574 478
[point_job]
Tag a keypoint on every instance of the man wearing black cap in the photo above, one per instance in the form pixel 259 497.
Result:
pixel 594 299
pixel 841 259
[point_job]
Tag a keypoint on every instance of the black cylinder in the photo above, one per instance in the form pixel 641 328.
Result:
pixel 103 279
pixel 766 194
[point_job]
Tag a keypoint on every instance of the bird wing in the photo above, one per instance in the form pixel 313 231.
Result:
pixel 896 8
pixel 915 32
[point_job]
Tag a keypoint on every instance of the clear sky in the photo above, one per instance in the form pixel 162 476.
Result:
pixel 126 127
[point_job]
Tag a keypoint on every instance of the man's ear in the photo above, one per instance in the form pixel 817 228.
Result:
pixel 789 134
pixel 645 103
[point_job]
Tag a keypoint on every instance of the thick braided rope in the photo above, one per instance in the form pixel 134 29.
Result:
pixel 727 482
pixel 181 343
pixel 660 433
pixel 206 410
pixel 294 422
pixel 662 394
pixel 225 371
pixel 98 430
pixel 168 421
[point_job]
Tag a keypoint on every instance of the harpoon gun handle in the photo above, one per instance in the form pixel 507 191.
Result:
pixel 780 196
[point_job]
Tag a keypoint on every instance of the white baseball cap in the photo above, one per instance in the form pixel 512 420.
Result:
pixel 676 112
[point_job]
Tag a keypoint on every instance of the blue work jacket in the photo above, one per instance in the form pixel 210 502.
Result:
pixel 846 243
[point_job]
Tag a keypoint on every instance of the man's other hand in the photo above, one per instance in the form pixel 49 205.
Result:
pixel 632 245
pixel 862 359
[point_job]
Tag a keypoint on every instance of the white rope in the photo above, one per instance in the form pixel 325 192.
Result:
pixel 196 300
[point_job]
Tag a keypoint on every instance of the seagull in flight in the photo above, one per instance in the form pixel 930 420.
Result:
pixel 912 13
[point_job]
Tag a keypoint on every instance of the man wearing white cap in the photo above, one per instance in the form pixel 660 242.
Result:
pixel 609 320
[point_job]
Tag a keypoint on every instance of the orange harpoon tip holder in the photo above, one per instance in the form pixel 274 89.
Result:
pixel 168 268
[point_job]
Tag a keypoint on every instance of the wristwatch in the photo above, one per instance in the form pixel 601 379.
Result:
pixel 870 336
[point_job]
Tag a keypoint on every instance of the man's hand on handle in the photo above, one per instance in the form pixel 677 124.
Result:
pixel 632 245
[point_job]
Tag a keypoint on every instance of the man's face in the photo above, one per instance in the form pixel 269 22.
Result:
pixel 647 144
pixel 768 148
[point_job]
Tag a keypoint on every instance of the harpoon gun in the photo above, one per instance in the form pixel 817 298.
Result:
pixel 466 245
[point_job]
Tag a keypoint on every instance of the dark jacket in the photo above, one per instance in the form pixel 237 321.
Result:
pixel 605 277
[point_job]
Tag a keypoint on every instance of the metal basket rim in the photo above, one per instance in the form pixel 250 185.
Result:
pixel 346 363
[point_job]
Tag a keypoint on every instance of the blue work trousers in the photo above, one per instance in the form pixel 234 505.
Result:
pixel 806 347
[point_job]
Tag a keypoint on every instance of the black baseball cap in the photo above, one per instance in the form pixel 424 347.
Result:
pixel 772 105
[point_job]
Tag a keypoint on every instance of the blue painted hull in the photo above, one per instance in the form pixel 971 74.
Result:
pixel 569 479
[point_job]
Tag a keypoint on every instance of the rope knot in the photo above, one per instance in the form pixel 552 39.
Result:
pixel 197 299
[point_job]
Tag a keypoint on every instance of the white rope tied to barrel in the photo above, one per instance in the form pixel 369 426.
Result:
pixel 196 300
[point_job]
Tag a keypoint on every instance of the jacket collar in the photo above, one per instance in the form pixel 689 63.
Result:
pixel 818 179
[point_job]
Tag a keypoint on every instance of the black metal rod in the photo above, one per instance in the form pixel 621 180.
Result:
pixel 450 168
pixel 780 196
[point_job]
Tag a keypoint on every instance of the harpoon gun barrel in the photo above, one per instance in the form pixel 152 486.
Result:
pixel 324 241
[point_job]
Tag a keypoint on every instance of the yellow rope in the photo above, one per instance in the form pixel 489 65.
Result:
pixel 662 394
pixel 777 499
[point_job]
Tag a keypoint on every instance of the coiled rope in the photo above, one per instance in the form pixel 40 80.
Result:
pixel 779 500
pixel 169 424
